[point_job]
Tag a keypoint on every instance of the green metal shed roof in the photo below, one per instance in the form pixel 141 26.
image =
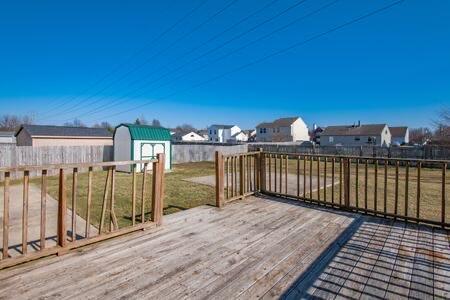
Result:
pixel 146 132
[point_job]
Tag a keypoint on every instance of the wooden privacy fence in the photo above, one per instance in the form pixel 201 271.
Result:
pixel 62 239
pixel 408 189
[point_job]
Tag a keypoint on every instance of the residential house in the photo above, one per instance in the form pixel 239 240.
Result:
pixel 223 133
pixel 282 130
pixel 315 134
pixel 356 135
pixel 203 133
pixel 251 134
pixel 187 137
pixel 49 135
pixel 239 137
pixel 399 135
pixel 7 137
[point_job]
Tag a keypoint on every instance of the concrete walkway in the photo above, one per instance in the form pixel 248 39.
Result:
pixel 34 215
pixel 291 182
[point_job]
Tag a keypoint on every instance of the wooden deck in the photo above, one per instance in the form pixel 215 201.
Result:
pixel 252 248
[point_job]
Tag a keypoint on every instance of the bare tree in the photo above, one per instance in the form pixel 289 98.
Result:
pixel 185 128
pixel 156 123
pixel 75 123
pixel 420 135
pixel 105 125
pixel 442 127
pixel 13 122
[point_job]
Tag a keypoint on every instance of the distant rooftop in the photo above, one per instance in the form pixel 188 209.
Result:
pixel 281 122
pixel 398 131
pixel 352 130
pixel 222 126
pixel 52 130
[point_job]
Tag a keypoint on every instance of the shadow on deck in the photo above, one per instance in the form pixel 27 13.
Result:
pixel 260 247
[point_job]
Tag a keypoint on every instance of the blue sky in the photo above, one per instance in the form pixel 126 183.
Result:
pixel 393 67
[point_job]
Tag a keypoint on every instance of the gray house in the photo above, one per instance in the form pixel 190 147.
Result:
pixel 356 135
pixel 400 135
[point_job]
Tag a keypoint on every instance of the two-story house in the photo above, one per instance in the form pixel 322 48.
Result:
pixel 282 130
pixel 223 133
pixel 399 135
pixel 356 135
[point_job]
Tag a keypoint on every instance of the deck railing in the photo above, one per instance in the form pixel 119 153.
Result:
pixel 408 189
pixel 237 175
pixel 58 239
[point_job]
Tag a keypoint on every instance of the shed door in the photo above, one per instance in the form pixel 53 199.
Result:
pixel 149 150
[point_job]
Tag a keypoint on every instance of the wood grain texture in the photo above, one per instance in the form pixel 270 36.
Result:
pixel 260 247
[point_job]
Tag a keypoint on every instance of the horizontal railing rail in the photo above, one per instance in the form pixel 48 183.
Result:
pixel 409 189
pixel 70 224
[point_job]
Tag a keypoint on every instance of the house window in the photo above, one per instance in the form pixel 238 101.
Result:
pixel 217 139
pixel 260 130
pixel 357 138
pixel 273 130
pixel 210 139
pixel 215 131
pixel 265 130
pixel 331 139
pixel 210 131
pixel 278 129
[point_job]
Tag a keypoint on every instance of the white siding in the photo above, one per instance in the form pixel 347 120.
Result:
pixel 122 147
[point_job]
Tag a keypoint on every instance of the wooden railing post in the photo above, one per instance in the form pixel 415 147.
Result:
pixel 158 189
pixel 241 176
pixel 261 171
pixel 347 183
pixel 62 210
pixel 219 179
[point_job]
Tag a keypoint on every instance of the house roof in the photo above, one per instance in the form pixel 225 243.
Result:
pixel 281 122
pixel 146 132
pixel 67 131
pixel 352 130
pixel 222 126
pixel 398 131
pixel 6 133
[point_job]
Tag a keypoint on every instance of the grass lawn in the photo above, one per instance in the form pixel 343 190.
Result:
pixel 179 194
pixel 430 188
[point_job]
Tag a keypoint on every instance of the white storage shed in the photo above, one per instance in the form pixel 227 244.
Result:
pixel 141 142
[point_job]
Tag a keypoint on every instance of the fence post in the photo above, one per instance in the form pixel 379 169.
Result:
pixel 219 179
pixel 62 210
pixel 158 189
pixel 347 183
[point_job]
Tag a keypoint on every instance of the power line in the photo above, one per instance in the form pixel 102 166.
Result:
pixel 264 58
pixel 132 56
pixel 148 60
pixel 190 51
pixel 253 28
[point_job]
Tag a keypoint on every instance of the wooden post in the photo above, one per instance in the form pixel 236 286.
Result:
pixel 62 210
pixel 444 169
pixel 260 173
pixel 26 185
pixel 6 215
pixel 144 185
pixel 88 204
pixel 158 189
pixel 219 179
pixel 347 183
pixel 43 208
pixel 241 176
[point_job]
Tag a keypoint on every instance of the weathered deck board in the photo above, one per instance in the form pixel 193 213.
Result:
pixel 254 248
